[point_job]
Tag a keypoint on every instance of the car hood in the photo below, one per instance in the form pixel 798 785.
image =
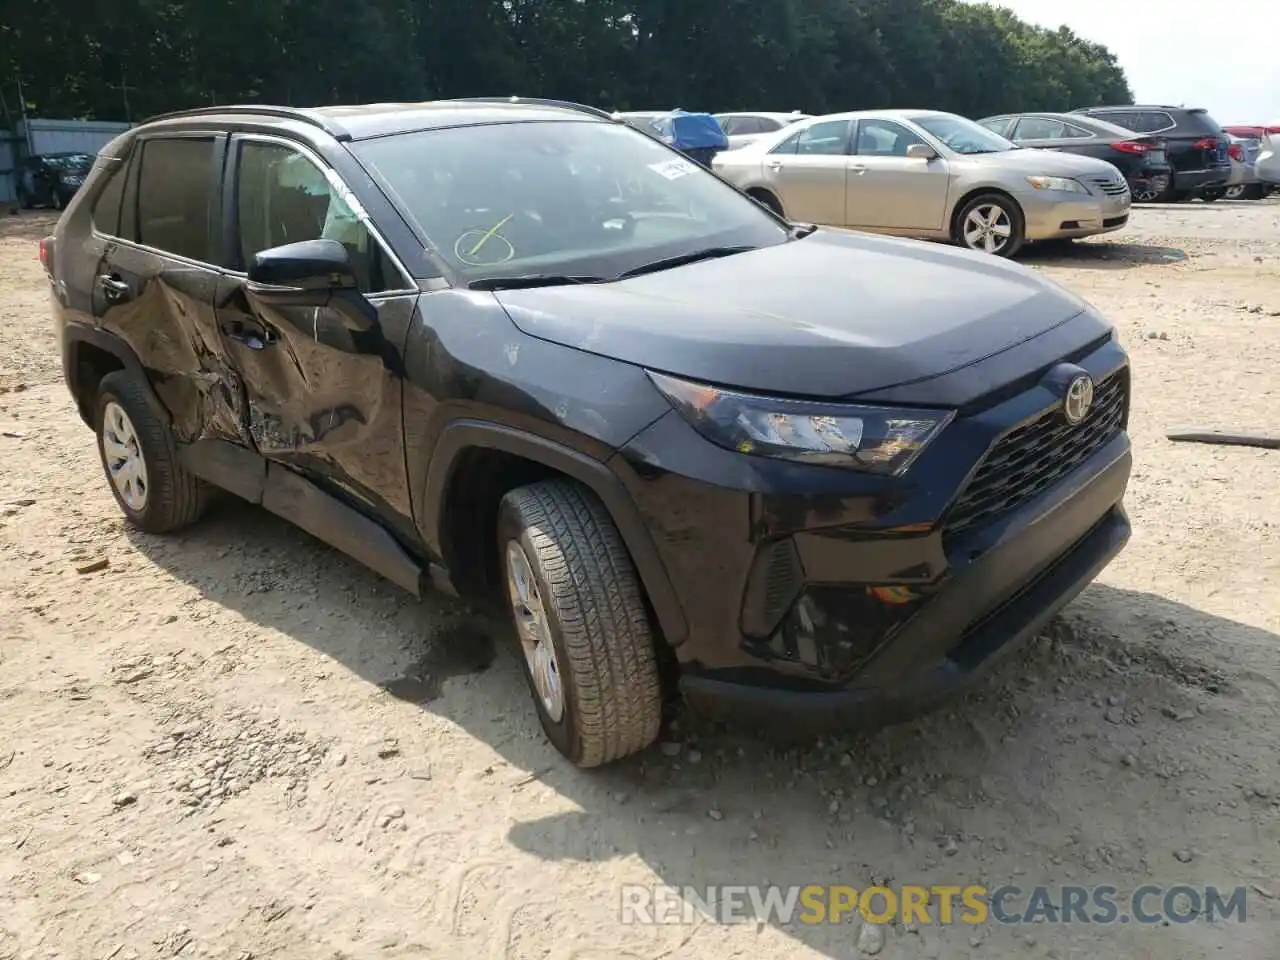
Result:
pixel 831 315
pixel 1049 163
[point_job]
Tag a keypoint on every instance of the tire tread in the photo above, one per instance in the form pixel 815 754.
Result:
pixel 595 597
pixel 176 498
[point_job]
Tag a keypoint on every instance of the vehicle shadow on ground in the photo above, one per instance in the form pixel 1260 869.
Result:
pixel 1082 743
pixel 1100 255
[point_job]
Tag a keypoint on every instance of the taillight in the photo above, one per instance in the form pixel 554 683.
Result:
pixel 1236 152
pixel 46 255
pixel 1271 131
pixel 1131 146
pixel 1208 143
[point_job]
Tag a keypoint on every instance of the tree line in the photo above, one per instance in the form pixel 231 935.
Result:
pixel 129 59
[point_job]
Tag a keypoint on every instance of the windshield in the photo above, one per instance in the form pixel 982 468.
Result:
pixel 71 161
pixel 962 135
pixel 571 197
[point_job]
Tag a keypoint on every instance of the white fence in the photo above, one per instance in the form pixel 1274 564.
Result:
pixel 49 136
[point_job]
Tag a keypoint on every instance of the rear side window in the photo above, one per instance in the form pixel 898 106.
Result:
pixel 1121 118
pixel 175 196
pixel 106 209
pixel 1151 121
pixel 828 138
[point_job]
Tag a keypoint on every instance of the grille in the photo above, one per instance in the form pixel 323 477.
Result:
pixel 1031 458
pixel 1111 186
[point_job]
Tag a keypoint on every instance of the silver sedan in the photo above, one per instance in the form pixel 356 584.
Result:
pixel 928 174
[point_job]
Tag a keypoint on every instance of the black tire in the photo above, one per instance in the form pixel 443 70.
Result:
pixel 599 625
pixel 765 198
pixel 1018 235
pixel 173 498
pixel 1214 195
pixel 24 200
pixel 55 199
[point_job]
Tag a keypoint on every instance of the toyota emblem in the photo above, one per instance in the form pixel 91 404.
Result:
pixel 1079 400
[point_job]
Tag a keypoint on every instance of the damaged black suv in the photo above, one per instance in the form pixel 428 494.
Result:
pixel 516 348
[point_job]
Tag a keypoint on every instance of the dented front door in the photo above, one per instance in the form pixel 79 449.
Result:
pixel 322 384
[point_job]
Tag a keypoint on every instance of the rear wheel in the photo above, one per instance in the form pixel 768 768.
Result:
pixel 1213 195
pixel 154 491
pixel 580 617
pixel 991 223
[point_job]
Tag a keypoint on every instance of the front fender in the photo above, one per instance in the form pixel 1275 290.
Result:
pixel 462 435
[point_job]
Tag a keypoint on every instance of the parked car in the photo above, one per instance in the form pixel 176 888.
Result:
pixel 513 349
pixel 1266 164
pixel 642 120
pixel 927 174
pixel 51 179
pixel 1196 145
pixel 745 128
pixel 1140 159
pixel 1243 183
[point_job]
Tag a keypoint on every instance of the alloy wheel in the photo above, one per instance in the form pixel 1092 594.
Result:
pixel 1234 193
pixel 1146 195
pixel 987 228
pixel 534 629
pixel 123 455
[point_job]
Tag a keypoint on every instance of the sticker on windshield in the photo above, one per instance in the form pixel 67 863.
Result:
pixel 672 169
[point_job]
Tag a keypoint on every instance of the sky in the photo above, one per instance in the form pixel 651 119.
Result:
pixel 1177 54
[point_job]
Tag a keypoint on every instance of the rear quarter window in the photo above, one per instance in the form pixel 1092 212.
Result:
pixel 106 207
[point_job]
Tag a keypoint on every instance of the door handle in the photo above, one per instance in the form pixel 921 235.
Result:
pixel 774 164
pixel 113 288
pixel 252 335
pixel 858 168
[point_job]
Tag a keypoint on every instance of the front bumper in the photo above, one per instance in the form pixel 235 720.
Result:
pixel 848 599
pixel 1055 216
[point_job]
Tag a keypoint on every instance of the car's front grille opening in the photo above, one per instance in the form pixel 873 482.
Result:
pixel 1031 458
pixel 1111 186
pixel 1115 221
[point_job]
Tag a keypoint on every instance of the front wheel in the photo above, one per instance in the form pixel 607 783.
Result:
pixel 993 224
pixel 580 617
pixel 1214 195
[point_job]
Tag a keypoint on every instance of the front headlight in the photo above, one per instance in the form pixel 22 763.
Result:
pixel 1061 184
pixel 881 440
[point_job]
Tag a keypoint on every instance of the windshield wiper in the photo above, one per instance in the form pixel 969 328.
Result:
pixel 801 230
pixel 533 280
pixel 707 253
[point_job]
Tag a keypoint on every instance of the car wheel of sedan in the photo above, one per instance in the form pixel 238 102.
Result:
pixel 991 224
pixel 1149 194
pixel 154 491
pixel 587 648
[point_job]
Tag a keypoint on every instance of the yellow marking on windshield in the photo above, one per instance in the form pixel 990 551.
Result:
pixel 489 236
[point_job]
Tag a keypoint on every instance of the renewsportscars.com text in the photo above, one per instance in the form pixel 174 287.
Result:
pixel 970 904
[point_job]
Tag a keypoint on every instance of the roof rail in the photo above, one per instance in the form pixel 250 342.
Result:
pixel 284 113
pixel 537 102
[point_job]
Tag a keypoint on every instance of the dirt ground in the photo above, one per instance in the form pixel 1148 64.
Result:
pixel 209 747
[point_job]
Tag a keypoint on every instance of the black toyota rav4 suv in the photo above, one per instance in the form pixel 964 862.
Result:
pixel 516 348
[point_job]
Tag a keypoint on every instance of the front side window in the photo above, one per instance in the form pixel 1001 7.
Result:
pixel 963 135
pixel 283 197
pixel 884 138
pixel 574 198
pixel 175 196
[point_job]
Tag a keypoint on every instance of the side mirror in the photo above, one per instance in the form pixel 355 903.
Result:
pixel 921 151
pixel 320 266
